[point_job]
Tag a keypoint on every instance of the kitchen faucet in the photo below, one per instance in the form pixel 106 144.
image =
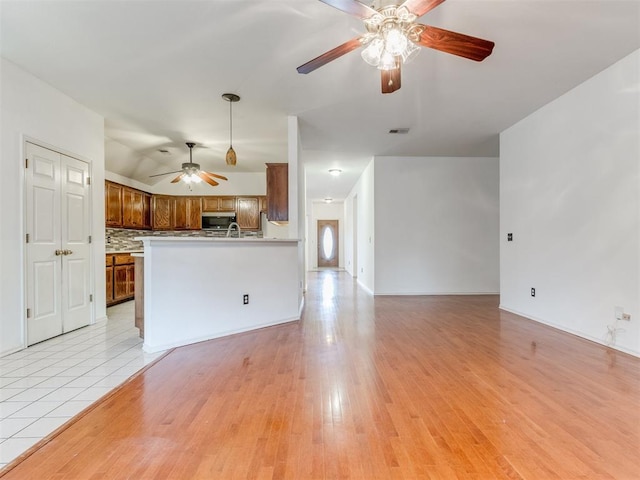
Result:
pixel 229 229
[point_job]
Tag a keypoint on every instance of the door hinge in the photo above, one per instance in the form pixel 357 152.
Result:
pixel 27 238
pixel 88 180
pixel 91 297
pixel 89 238
pixel 28 313
pixel 26 163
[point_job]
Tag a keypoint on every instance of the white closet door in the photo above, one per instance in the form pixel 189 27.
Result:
pixel 58 251
pixel 76 309
pixel 43 228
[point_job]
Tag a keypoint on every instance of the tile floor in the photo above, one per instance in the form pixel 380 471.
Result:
pixel 45 385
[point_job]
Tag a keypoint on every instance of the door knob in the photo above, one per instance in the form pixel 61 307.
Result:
pixel 59 252
pixel 67 252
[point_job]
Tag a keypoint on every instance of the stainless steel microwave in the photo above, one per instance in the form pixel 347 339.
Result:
pixel 218 220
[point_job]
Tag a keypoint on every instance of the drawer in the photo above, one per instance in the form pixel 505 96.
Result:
pixel 123 259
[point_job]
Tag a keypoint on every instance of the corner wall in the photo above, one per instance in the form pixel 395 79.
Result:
pixel 436 225
pixel 32 110
pixel 363 255
pixel 570 194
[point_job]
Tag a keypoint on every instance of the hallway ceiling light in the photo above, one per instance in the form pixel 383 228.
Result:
pixel 328 200
pixel 335 171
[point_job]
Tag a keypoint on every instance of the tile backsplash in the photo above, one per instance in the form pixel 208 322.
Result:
pixel 121 239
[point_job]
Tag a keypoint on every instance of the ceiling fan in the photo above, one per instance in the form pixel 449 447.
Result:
pixel 393 37
pixel 191 172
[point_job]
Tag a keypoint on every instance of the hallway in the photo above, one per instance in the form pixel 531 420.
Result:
pixel 366 388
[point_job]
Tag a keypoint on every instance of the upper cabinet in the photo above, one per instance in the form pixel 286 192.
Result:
pixel 113 204
pixel 248 213
pixel 126 207
pixel 136 209
pixel 187 213
pixel 219 204
pixel 162 212
pixel 278 192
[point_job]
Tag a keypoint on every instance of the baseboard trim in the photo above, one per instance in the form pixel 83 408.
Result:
pixel 577 333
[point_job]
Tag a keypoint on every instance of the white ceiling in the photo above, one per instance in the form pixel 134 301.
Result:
pixel 156 71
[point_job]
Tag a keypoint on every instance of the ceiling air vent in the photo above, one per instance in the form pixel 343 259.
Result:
pixel 164 151
pixel 399 131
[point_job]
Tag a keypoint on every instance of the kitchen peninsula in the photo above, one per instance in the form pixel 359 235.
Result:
pixel 198 288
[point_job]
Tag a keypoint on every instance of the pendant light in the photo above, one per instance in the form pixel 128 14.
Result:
pixel 231 154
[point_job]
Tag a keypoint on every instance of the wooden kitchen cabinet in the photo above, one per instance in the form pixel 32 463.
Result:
pixel 225 203
pixel 248 213
pixel 120 277
pixel 135 209
pixel 162 212
pixel 187 213
pixel 126 207
pixel 146 218
pixel 263 203
pixel 278 192
pixel 113 204
pixel 109 278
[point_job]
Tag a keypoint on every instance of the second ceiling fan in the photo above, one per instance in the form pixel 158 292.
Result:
pixel 191 172
pixel 393 37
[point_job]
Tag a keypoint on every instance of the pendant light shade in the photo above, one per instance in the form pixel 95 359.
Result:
pixel 231 153
pixel 231 156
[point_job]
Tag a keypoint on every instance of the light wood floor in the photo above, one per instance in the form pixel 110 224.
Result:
pixel 366 388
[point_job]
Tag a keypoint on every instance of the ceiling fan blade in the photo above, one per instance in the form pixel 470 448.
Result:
pixel 214 175
pixel 330 55
pixel 208 179
pixel 390 79
pixel 178 178
pixel 352 7
pixel 455 43
pixel 167 173
pixel 420 7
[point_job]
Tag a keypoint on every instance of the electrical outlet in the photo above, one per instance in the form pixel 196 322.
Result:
pixel 626 316
pixel 533 292
pixel 245 299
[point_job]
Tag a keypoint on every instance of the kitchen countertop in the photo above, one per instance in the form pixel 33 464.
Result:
pixel 137 250
pixel 217 240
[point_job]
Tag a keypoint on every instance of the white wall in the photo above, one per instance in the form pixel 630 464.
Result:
pixel 349 235
pixel 324 211
pixel 31 109
pixel 266 270
pixel 363 255
pixel 570 194
pixel 436 225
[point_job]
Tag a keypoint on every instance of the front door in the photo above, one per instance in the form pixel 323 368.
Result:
pixel 328 243
pixel 58 251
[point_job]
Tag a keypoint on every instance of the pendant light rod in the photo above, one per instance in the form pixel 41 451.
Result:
pixel 231 154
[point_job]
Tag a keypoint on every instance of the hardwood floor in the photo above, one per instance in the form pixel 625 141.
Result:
pixel 366 388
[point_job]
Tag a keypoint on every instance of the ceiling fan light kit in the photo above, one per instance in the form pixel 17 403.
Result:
pixel 231 157
pixel 393 39
pixel 191 172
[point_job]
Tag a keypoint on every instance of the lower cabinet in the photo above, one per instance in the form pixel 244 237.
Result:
pixel 109 264
pixel 120 278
